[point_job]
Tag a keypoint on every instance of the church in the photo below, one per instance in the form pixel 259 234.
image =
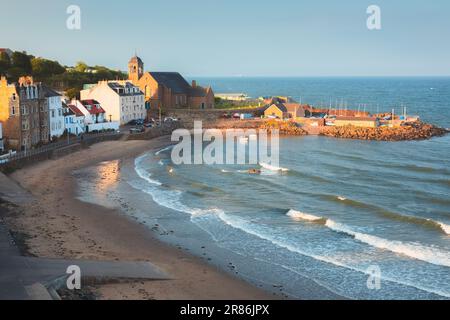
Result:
pixel 168 90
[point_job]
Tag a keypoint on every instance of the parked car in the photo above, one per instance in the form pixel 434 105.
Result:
pixel 170 119
pixel 226 116
pixel 236 116
pixel 138 129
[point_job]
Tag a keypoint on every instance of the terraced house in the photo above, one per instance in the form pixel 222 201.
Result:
pixel 24 114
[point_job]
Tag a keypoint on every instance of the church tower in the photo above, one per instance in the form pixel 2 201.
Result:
pixel 135 69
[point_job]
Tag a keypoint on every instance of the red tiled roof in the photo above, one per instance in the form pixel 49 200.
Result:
pixel 75 110
pixel 94 105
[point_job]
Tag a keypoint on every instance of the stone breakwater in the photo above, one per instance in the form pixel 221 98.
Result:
pixel 285 128
pixel 414 131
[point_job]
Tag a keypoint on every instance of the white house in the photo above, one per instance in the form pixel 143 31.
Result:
pixel 121 100
pixel 73 120
pixel 55 111
pixel 95 116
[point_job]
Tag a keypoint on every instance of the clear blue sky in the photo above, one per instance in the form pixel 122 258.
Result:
pixel 238 37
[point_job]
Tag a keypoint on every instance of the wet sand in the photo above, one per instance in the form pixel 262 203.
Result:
pixel 58 225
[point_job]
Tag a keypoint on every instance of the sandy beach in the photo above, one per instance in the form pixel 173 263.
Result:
pixel 58 225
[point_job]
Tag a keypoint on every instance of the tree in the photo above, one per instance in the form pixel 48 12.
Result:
pixel 5 63
pixel 81 67
pixel 43 68
pixel 22 61
pixel 15 73
pixel 72 93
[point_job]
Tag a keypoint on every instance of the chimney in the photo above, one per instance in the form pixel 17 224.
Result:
pixel 194 84
pixel 26 80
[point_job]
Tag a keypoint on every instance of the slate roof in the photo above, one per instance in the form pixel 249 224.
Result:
pixel 172 80
pixel 120 89
pixel 49 92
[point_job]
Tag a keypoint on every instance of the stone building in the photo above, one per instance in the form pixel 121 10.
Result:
pixel 168 89
pixel 24 114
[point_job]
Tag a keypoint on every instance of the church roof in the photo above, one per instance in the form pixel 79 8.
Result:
pixel 173 81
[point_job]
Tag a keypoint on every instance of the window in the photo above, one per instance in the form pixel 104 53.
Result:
pixel 53 113
pixel 13 110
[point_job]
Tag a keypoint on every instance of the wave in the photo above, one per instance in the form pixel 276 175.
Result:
pixel 428 254
pixel 144 174
pixel 420 221
pixel 272 168
pixel 249 228
pixel 297 215
pixel 163 150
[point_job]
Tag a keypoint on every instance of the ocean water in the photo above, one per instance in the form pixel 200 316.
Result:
pixel 334 211
pixel 428 97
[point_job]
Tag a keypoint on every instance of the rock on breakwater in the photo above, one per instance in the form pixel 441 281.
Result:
pixel 413 131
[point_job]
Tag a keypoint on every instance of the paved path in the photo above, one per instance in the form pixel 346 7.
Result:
pixel 28 278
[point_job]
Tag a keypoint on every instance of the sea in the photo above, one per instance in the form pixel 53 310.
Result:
pixel 336 219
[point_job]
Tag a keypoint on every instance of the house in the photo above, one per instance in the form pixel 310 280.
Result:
pixel 24 113
pixel 285 111
pixel 278 111
pixel 168 89
pixel 73 119
pixel 95 116
pixel 55 111
pixel 121 100
pixel 366 122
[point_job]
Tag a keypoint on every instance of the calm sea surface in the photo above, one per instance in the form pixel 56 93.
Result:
pixel 338 210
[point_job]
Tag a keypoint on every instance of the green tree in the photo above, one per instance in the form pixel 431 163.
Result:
pixel 5 63
pixel 72 93
pixel 43 68
pixel 81 67
pixel 15 73
pixel 22 61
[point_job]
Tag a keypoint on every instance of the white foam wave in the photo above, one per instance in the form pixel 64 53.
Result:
pixel 249 228
pixel 444 227
pixel 163 150
pixel 272 168
pixel 342 198
pixel 144 174
pixel 413 250
pixel 302 216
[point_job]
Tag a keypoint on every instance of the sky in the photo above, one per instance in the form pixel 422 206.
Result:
pixel 238 37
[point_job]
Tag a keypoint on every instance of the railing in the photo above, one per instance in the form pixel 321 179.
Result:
pixel 55 146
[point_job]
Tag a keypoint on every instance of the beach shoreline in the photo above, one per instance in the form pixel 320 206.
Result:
pixel 59 225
